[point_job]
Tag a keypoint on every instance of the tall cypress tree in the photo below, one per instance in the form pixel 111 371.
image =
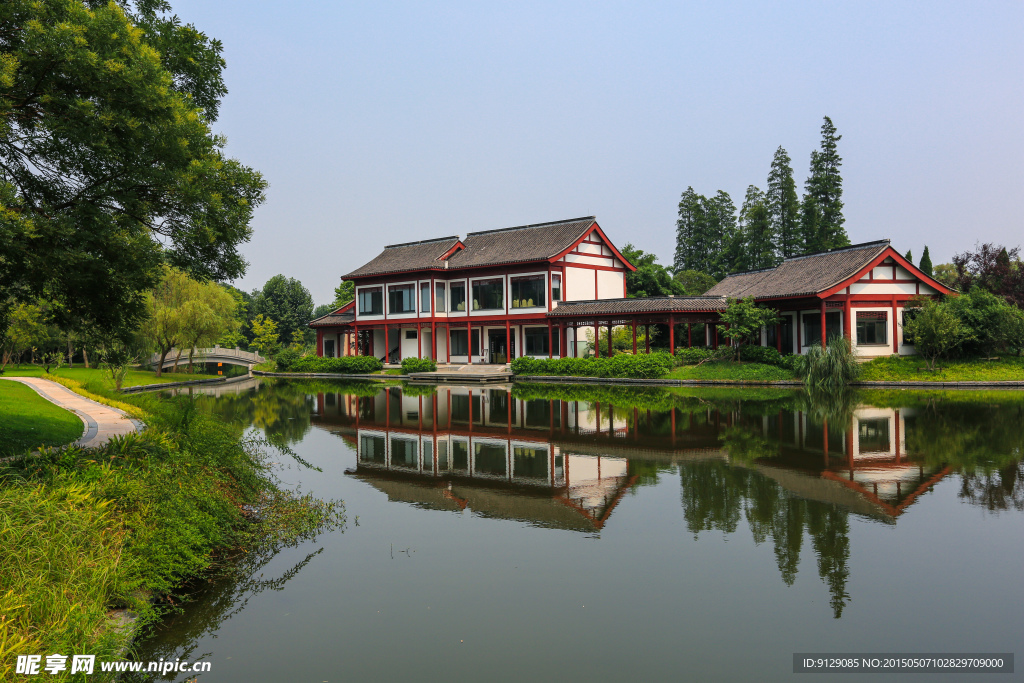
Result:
pixel 910 255
pixel 758 235
pixel 784 206
pixel 825 187
pixel 926 262
pixel 689 230
pixel 720 213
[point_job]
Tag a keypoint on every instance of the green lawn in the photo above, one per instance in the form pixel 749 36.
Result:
pixel 28 421
pixel 914 369
pixel 731 370
pixel 90 375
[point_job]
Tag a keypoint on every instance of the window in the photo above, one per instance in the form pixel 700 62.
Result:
pixel 812 327
pixel 873 435
pixel 536 339
pixel 401 299
pixel 488 295
pixel 371 301
pixel 490 459
pixel 872 327
pixel 425 297
pixel 528 292
pixel 410 334
pixel 328 348
pixel 458 294
pixel 556 287
pixel 439 298
pixel 458 343
pixel 530 463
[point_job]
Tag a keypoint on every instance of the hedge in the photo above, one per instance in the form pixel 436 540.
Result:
pixel 350 365
pixel 418 365
pixel 640 366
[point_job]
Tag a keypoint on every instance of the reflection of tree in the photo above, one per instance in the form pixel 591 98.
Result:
pixel 746 445
pixel 995 490
pixel 714 494
pixel 281 410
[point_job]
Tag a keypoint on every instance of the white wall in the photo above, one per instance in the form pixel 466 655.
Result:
pixel 610 284
pixel 579 284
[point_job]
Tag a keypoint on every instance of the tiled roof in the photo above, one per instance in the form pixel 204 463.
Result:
pixel 649 304
pixel 521 244
pixel 405 257
pixel 802 275
pixel 333 319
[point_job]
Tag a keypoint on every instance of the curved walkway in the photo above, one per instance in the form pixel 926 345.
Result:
pixel 102 423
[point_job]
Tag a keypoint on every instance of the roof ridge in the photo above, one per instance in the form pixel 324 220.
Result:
pixel 532 225
pixel 644 298
pixel 435 239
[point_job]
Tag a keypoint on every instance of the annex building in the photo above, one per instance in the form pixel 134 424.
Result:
pixel 536 290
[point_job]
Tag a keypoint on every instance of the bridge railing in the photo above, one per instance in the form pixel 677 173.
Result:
pixel 216 352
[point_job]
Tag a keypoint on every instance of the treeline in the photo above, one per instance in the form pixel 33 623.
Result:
pixel 771 225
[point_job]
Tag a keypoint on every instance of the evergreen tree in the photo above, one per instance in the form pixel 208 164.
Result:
pixel 720 217
pixel 825 187
pixel 758 236
pixel 784 206
pixel 810 219
pixel 910 255
pixel 690 228
pixel 926 262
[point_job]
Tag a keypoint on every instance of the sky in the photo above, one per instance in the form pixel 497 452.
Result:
pixel 378 123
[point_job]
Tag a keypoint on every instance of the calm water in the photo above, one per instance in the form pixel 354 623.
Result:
pixel 556 534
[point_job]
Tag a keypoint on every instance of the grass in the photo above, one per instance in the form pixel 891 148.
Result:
pixel 30 421
pixel 914 369
pixel 90 376
pixel 86 531
pixel 731 370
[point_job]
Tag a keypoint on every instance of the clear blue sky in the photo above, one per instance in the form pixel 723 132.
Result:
pixel 385 122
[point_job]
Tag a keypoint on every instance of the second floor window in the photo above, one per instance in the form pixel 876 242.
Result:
pixel 488 295
pixel 402 299
pixel 458 290
pixel 425 297
pixel 556 287
pixel 371 301
pixel 439 298
pixel 528 292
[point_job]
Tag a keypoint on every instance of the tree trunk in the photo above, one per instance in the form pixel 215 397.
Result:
pixel 163 357
pixel 190 352
pixel 71 352
pixel 176 359
pixel 85 356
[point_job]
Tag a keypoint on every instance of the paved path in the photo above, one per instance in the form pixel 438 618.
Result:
pixel 101 422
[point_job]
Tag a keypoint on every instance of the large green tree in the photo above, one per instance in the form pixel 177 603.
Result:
pixel 650 277
pixel 108 165
pixel 926 262
pixel 758 236
pixel 692 251
pixel 784 205
pixel 822 222
pixel 285 301
pixel 724 235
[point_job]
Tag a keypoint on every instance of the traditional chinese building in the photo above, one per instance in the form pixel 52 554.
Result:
pixel 535 290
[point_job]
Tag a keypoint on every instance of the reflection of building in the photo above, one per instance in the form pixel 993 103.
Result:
pixel 500 455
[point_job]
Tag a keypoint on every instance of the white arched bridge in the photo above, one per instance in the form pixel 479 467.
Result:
pixel 217 354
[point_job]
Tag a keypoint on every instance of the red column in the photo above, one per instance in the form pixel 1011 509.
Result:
pixel 895 329
pixel 597 340
pixel 778 337
pixel 563 341
pixel 387 346
pixel 634 336
pixel 714 336
pixel 508 341
pixel 611 350
pixel 672 334
pixel 799 335
pixel 433 340
pixel 419 341
pixel 823 341
pixel 550 339
pixel 320 343
pixel 847 323
pixel 469 350
pixel 448 343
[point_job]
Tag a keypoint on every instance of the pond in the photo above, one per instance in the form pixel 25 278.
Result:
pixel 557 532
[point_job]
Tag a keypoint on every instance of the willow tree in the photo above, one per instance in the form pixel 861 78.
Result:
pixel 108 165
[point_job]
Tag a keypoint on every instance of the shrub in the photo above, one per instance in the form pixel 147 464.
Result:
pixel 692 355
pixel 832 365
pixel 418 365
pixel 640 366
pixel 761 354
pixel 351 365
pixel 286 358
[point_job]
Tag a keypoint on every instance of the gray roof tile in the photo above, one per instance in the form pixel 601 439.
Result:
pixel 650 304
pixel 802 275
pixel 399 258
